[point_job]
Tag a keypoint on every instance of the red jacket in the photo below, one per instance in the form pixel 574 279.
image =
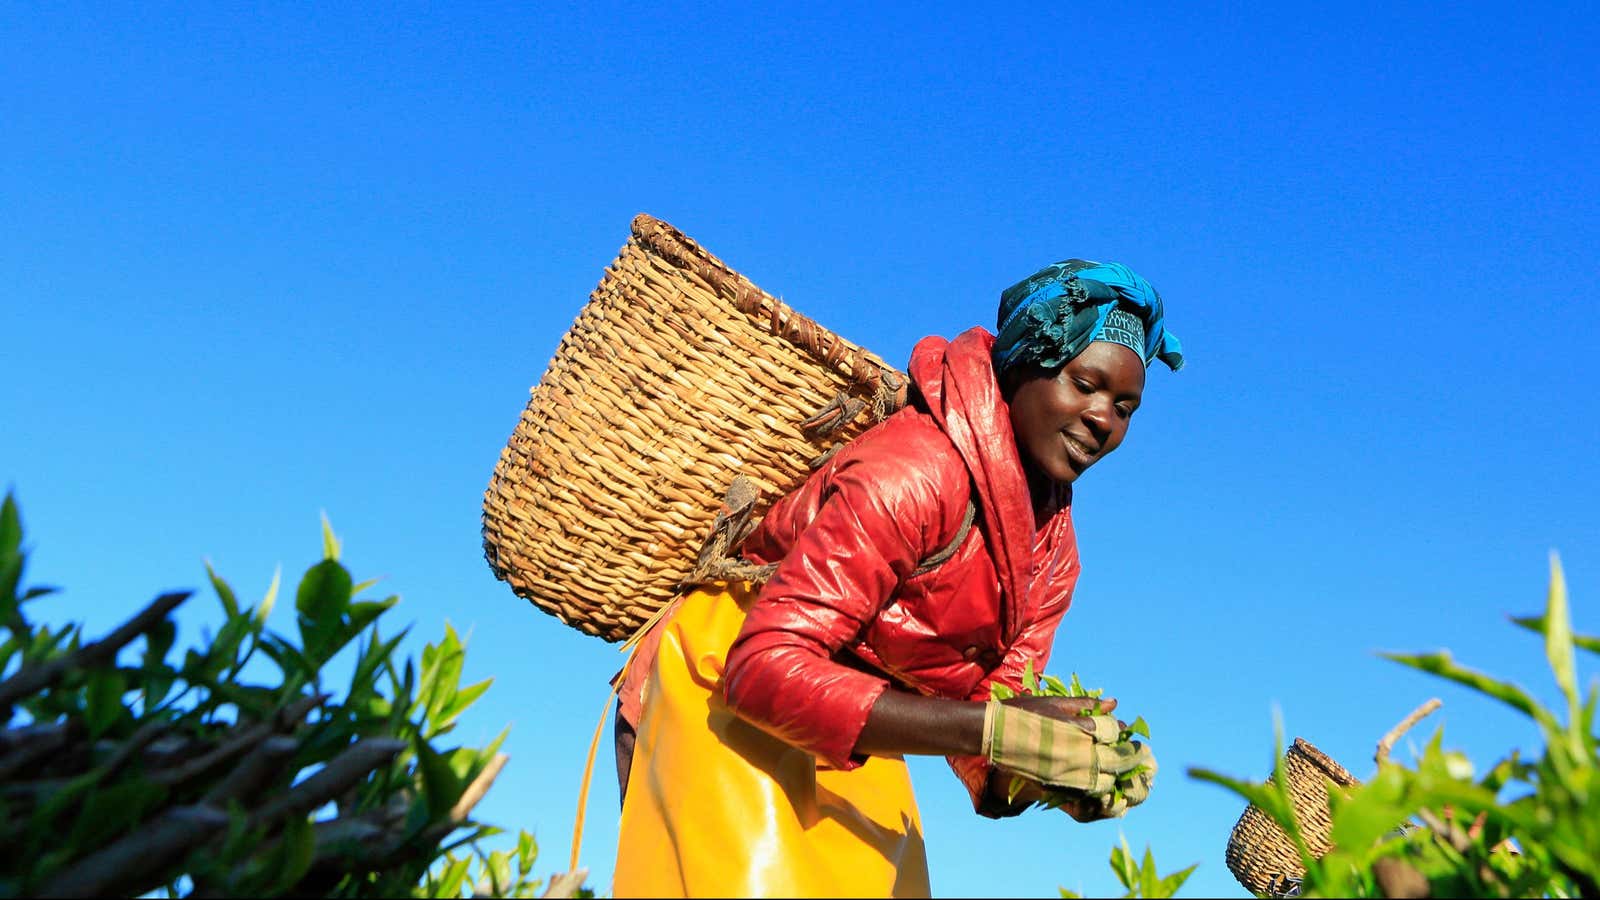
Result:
pixel 848 540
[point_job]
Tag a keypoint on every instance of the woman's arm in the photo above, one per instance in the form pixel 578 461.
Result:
pixel 883 511
pixel 904 723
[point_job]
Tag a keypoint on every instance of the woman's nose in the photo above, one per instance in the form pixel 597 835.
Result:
pixel 1098 416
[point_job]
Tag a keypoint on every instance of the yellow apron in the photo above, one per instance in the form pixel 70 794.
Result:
pixel 718 808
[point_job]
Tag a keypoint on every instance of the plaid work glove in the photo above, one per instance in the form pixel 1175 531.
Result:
pixel 1082 755
pixel 1135 788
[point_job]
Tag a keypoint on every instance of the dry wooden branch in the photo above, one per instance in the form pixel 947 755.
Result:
pixel 33 679
pixel 136 742
pixel 343 845
pixel 12 738
pixel 44 745
pixel 566 884
pixel 1388 740
pixel 478 787
pixel 335 777
pixel 253 773
pixel 245 739
pixel 127 867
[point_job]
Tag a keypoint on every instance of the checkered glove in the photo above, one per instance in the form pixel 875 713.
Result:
pixel 1082 755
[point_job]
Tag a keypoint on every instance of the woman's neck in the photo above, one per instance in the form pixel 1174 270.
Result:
pixel 1043 491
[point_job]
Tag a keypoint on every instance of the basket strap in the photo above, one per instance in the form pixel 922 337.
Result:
pixel 949 550
pixel 588 770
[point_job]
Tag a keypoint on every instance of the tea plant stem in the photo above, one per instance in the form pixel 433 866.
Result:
pixel 34 679
pixel 247 738
pixel 334 778
pixel 254 772
pixel 123 867
pixel 42 746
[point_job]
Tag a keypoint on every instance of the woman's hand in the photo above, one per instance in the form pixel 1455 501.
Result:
pixel 1058 747
pixel 1076 710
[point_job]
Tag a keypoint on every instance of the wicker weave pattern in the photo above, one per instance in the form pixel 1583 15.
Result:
pixel 677 375
pixel 1259 853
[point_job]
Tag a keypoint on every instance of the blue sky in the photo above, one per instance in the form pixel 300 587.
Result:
pixel 258 262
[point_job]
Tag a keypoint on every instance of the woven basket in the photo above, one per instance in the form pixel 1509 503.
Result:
pixel 1260 854
pixel 678 375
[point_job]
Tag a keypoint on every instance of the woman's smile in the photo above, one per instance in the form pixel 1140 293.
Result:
pixel 1081 455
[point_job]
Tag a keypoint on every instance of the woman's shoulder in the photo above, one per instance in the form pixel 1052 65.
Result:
pixel 909 462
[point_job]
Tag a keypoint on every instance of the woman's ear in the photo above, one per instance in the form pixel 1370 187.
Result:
pixel 1010 380
pixel 1016 376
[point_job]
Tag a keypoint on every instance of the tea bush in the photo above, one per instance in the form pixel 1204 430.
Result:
pixel 1524 828
pixel 192 775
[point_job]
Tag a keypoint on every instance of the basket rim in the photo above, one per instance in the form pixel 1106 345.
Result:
pixel 1328 764
pixel 860 366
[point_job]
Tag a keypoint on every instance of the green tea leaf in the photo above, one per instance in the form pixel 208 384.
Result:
pixel 103 701
pixel 366 612
pixel 330 544
pixel 459 703
pixel 1149 881
pixel 1171 883
pixel 440 786
pixel 1030 681
pixel 1122 865
pixel 110 811
pixel 373 658
pixel 527 853
pixel 1443 665
pixel 158 640
pixel 10 527
pixel 499 866
pixel 364 585
pixel 230 604
pixel 1535 624
pixel 321 602
pixel 454 877
pixel 1558 647
pixel 271 598
pixel 298 849
pixel 1369 811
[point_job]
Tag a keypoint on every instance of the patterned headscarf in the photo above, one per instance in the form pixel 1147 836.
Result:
pixel 1049 317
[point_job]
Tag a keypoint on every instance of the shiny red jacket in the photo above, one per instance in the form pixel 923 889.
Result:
pixel 843 618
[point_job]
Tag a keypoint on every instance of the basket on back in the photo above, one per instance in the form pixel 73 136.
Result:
pixel 678 375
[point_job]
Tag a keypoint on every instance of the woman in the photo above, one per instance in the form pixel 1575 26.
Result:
pixel 928 560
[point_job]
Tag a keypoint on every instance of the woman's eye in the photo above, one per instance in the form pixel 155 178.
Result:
pixel 1124 410
pixel 1084 387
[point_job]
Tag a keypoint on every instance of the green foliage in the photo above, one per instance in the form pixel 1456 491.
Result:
pixel 232 767
pixel 1142 879
pixel 1521 829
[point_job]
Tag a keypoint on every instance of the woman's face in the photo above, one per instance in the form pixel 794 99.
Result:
pixel 1068 423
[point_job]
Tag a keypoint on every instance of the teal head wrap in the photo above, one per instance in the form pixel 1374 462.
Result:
pixel 1049 317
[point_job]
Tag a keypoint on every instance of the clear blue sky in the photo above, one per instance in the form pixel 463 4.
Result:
pixel 263 261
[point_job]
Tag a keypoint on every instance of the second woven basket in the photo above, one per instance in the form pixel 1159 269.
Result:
pixel 1260 854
